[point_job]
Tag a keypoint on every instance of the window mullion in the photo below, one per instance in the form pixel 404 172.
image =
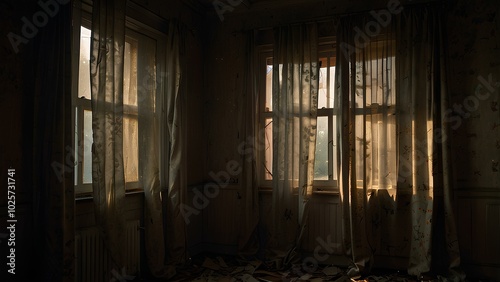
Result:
pixel 330 149
pixel 80 145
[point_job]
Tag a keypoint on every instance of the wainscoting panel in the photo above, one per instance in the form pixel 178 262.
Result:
pixel 324 225
pixel 478 224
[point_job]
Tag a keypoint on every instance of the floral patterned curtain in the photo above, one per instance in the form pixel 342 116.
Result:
pixel 108 177
pixel 424 149
pixel 395 180
pixel 365 83
pixel 295 102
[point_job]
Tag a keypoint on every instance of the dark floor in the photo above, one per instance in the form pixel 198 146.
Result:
pixel 205 268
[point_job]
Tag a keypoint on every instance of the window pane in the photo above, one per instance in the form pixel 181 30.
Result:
pixel 326 83
pixel 331 98
pixel 130 73
pixel 130 149
pixel 334 148
pixel 77 152
pixel 87 147
pixel 321 158
pixel 84 68
pixel 269 85
pixel 323 90
pixel 143 71
pixel 363 149
pixel 268 149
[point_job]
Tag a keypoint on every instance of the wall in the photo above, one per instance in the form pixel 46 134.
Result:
pixel 474 53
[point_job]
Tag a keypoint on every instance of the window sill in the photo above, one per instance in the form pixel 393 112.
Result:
pixel 331 191
pixel 327 192
pixel 88 196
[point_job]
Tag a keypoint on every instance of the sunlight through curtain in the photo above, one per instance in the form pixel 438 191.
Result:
pixel 365 84
pixel 424 149
pixel 295 98
pixel 108 178
pixel 395 183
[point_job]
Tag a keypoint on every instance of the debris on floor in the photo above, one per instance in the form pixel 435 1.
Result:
pixel 232 269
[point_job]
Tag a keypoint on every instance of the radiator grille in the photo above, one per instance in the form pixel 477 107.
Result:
pixel 92 261
pixel 324 225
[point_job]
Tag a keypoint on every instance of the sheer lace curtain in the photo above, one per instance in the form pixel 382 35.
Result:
pixel 367 99
pixel 108 178
pixel 394 178
pixel 160 124
pixel 137 136
pixel 295 100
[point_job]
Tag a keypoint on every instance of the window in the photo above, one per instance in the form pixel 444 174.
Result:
pixel 83 114
pixel 375 119
pixel 140 76
pixel 325 175
pixel 325 162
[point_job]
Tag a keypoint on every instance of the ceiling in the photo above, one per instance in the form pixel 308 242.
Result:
pixel 246 5
pixel 265 13
pixel 259 5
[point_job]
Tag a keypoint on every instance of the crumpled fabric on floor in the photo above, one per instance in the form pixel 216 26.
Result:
pixel 208 268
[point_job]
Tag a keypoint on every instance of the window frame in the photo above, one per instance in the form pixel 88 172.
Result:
pixel 135 23
pixel 264 53
pixel 326 48
pixel 82 15
pixel 377 109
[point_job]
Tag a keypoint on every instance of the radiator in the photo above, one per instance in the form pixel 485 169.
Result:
pixel 92 261
pixel 324 225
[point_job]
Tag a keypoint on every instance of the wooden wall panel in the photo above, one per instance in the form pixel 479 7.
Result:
pixel 478 224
